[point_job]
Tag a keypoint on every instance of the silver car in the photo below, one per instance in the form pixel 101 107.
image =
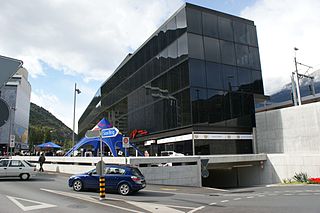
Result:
pixel 17 168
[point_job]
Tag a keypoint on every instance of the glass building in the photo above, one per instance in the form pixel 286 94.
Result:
pixel 191 87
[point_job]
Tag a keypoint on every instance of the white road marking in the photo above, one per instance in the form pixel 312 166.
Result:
pixel 87 198
pixel 212 204
pixel 224 201
pixel 250 197
pixel 40 205
pixel 261 195
pixel 288 194
pixel 152 207
pixel 238 198
pixel 196 209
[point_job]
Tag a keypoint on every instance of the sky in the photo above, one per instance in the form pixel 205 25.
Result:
pixel 80 41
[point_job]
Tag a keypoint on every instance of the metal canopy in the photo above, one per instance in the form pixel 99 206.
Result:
pixel 8 67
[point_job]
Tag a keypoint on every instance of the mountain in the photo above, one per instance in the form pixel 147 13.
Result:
pixel 305 89
pixel 43 127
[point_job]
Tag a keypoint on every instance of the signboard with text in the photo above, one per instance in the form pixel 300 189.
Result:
pixel 109 133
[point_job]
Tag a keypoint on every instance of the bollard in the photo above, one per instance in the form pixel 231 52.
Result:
pixel 102 188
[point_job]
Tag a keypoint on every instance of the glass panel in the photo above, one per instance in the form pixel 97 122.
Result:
pixel 164 62
pixel 214 75
pixel 185 107
pixel 199 105
pixel 254 58
pixel 181 19
pixel 244 79
pixel 252 35
pixel 171 30
pixel 230 78
pixel 182 46
pixel 184 74
pixel 194 21
pixel 212 49
pixel 210 25
pixel 173 53
pixel 195 46
pixel 227 52
pixel 242 54
pixel 225 28
pixel 240 32
pixel 197 73
pixel 215 105
pixel 257 82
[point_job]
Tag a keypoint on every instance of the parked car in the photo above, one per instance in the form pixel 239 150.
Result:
pixel 17 168
pixel 124 179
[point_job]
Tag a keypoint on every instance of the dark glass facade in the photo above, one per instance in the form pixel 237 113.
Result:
pixel 198 72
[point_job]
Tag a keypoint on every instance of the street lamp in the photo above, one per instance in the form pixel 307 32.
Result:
pixel 76 91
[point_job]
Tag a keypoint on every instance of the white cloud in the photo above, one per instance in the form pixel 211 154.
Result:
pixel 281 26
pixel 87 38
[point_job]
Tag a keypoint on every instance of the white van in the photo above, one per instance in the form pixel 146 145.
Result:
pixel 171 153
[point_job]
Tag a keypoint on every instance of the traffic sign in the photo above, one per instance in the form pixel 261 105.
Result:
pixel 125 142
pixel 109 133
pixel 92 134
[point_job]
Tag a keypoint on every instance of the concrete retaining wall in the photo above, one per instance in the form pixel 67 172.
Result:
pixel 289 130
pixel 183 171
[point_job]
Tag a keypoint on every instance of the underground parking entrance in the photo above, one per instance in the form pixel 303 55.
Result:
pixel 233 175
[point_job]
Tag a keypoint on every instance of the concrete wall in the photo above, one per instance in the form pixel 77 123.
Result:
pixel 289 130
pixel 183 171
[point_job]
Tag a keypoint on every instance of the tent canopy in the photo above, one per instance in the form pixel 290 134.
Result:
pixel 113 143
pixel 49 145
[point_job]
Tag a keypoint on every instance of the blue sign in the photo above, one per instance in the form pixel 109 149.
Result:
pixel 109 133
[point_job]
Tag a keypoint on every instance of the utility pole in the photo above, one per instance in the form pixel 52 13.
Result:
pixel 76 91
pixel 297 76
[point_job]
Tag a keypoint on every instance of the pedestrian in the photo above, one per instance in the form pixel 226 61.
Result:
pixel 42 159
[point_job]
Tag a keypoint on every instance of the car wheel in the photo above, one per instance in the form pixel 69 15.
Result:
pixel 124 189
pixel 24 176
pixel 77 185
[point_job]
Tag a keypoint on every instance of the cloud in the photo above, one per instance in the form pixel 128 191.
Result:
pixel 86 38
pixel 281 26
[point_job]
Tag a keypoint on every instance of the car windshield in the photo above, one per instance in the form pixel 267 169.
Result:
pixel 136 172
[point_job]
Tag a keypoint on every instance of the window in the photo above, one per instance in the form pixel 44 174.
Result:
pixel 254 58
pixel 183 45
pixel 214 75
pixel 195 46
pixel 212 49
pixel 16 163
pixel 173 53
pixel 181 19
pixel 115 171
pixel 171 30
pixel 257 82
pixel 210 25
pixel 252 35
pixel 199 105
pixel 197 73
pixel 240 32
pixel 230 78
pixel 225 28
pixel 227 53
pixel 194 21
pixel 242 54
pixel 244 79
pixel 4 163
pixel 215 105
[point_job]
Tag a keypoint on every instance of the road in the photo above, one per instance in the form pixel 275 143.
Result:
pixel 48 192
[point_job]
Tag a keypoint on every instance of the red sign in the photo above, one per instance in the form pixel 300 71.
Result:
pixel 138 132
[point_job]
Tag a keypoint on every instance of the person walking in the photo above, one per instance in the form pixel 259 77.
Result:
pixel 42 159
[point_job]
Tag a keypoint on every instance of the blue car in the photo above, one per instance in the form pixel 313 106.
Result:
pixel 121 178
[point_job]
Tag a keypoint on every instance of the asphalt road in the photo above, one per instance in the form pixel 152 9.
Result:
pixel 48 192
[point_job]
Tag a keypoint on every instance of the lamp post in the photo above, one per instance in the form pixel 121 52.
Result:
pixel 76 91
